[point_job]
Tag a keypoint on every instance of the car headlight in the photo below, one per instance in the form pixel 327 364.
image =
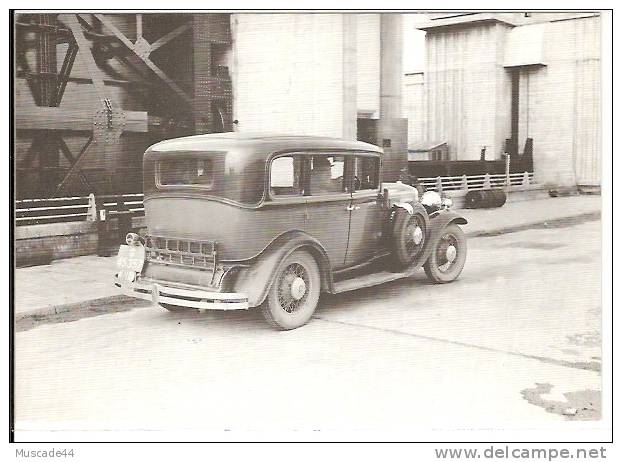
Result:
pixel 431 199
pixel 447 203
pixel 133 239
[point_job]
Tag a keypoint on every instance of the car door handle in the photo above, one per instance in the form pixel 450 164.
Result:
pixel 352 207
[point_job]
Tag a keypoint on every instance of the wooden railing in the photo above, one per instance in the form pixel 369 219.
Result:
pixel 100 208
pixel 72 209
pixel 513 181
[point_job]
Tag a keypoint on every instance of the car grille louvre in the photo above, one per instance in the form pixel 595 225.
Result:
pixel 183 252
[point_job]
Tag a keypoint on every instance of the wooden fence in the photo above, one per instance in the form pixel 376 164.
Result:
pixel 72 209
pixel 513 181
pixel 94 208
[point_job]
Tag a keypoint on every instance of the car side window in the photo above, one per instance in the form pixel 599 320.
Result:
pixel 286 176
pixel 366 173
pixel 327 174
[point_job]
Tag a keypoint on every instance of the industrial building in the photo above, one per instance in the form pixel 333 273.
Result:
pixel 92 91
pixel 512 83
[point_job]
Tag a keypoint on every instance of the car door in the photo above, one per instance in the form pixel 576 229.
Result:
pixel 367 215
pixel 328 204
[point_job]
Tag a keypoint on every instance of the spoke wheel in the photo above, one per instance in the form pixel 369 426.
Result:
pixel 294 293
pixel 448 255
pixel 414 236
pixel 409 233
pixel 292 288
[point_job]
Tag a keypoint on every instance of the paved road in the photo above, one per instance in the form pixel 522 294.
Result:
pixel 516 339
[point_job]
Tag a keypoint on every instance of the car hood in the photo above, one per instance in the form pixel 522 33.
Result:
pixel 401 192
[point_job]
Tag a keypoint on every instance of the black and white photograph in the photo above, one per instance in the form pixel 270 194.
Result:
pixel 312 225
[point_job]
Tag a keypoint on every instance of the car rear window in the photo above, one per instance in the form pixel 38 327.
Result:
pixel 231 175
pixel 186 172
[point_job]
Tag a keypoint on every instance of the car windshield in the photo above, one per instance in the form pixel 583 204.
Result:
pixel 227 175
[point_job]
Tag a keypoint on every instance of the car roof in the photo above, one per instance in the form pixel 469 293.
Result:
pixel 263 142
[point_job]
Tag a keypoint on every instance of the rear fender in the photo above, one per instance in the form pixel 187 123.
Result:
pixel 255 280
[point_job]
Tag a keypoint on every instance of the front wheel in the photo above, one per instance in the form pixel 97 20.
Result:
pixel 448 256
pixel 294 293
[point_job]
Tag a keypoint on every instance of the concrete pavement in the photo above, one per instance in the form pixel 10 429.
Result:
pixel 64 284
pixel 513 343
pixel 515 216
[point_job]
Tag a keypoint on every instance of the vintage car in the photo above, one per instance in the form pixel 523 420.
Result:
pixel 236 221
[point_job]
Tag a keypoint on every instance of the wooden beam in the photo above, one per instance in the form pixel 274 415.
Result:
pixel 139 26
pixel 72 160
pixel 54 118
pixel 170 36
pixel 30 154
pixel 75 168
pixel 65 72
pixel 84 51
pixel 146 61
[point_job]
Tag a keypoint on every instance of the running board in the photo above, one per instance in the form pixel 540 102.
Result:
pixel 370 280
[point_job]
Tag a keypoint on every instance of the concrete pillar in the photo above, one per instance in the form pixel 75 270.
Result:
pixel 349 88
pixel 390 65
pixel 392 127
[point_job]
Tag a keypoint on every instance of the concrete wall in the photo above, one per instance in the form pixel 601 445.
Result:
pixel 467 89
pixel 368 64
pixel 305 73
pixel 560 104
pixel 288 73
pixel 414 109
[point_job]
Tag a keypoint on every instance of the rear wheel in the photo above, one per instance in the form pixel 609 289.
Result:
pixel 295 292
pixel 448 256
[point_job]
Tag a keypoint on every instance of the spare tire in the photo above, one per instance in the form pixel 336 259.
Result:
pixel 409 234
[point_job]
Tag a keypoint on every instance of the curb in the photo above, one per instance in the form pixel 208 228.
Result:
pixel 572 219
pixel 52 310
pixel 58 309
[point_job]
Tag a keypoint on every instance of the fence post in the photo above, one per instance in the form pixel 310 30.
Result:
pixel 103 228
pixel 464 185
pixel 507 172
pixel 92 210
pixel 439 185
pixel 124 221
pixel 487 181
pixel 526 179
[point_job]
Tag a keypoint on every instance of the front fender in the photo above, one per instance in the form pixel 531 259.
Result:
pixel 442 220
pixel 256 279
pixel 436 226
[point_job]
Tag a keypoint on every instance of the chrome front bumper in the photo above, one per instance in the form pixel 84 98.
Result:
pixel 181 295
